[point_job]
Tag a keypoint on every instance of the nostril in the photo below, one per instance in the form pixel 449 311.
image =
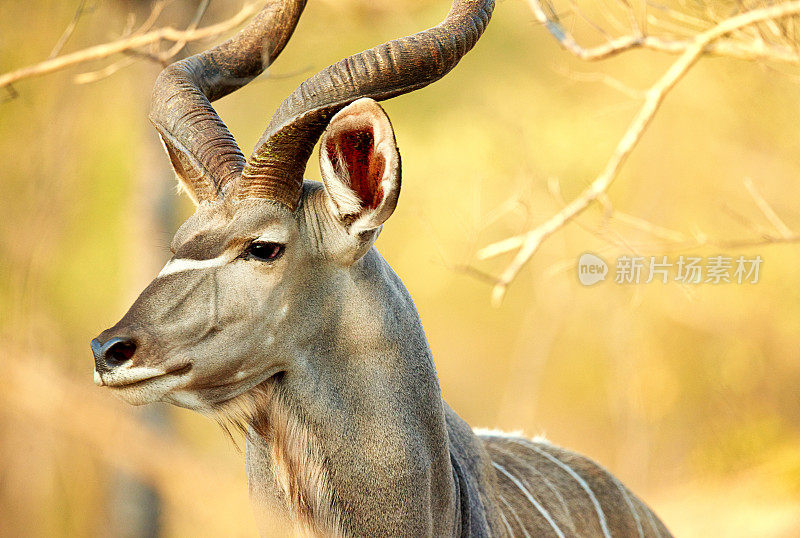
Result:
pixel 114 352
pixel 120 353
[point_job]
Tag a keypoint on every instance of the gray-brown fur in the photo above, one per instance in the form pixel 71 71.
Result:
pixel 544 490
pixel 282 319
pixel 356 380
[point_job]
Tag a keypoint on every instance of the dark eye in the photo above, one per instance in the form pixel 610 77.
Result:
pixel 264 251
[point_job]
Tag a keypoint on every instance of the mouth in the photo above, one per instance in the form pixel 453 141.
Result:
pixel 132 380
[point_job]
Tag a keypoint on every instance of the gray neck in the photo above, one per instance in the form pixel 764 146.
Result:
pixel 355 437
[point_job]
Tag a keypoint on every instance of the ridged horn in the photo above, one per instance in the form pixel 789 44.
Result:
pixel 275 169
pixel 200 146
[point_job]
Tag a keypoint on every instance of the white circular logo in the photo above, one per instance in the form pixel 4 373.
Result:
pixel 591 269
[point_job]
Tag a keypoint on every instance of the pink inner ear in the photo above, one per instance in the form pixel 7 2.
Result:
pixel 362 164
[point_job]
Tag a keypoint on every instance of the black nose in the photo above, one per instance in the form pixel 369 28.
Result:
pixel 114 352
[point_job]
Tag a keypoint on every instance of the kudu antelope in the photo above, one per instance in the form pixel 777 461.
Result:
pixel 278 314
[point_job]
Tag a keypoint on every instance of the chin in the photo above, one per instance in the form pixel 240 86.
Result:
pixel 147 391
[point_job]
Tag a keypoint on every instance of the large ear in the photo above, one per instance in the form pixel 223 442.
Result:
pixel 360 167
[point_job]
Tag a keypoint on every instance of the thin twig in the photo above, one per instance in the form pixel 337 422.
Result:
pixel 648 227
pixel 107 71
pixel 606 79
pixel 734 243
pixel 69 30
pixel 155 12
pixel 754 50
pixel 161 58
pixel 765 208
pixel 128 44
pixel 177 47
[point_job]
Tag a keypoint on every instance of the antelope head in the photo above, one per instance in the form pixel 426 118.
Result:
pixel 267 258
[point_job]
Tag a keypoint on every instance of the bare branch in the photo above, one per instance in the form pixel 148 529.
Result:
pixel 129 44
pixel 162 58
pixel 759 49
pixel 529 242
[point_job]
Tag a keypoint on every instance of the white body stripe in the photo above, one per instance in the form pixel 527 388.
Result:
pixel 516 517
pixel 652 523
pixel 630 506
pixel 505 522
pixel 600 515
pixel 533 501
pixel 544 479
pixel 185 264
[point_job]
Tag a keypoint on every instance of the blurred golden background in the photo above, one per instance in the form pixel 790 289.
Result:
pixel 687 393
